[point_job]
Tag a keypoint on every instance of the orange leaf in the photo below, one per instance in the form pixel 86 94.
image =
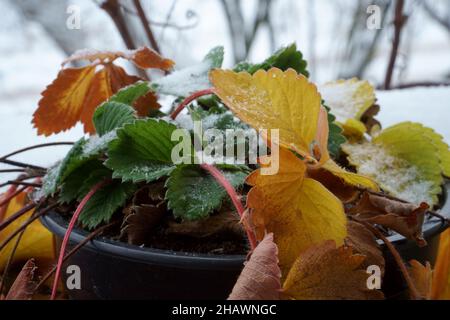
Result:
pixel 260 279
pixel 299 211
pixel 325 272
pixel 143 58
pixel 441 275
pixel 422 277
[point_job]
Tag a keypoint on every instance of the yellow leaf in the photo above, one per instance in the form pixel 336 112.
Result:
pixel 324 272
pixel 411 142
pixel 299 211
pixel 348 99
pixel 36 242
pixel 441 274
pixel 273 100
pixel 351 178
pixel 354 129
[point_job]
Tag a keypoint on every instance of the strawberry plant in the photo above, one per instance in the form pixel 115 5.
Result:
pixel 313 226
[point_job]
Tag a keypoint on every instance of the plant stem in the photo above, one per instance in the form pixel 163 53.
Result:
pixel 88 238
pixel 17 215
pixel 146 25
pixel 11 170
pixel 415 295
pixel 189 99
pixel 234 198
pixel 22 165
pixel 399 23
pixel 43 145
pixel 68 232
pixel 21 183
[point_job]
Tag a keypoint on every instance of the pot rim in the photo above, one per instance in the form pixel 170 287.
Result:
pixel 57 225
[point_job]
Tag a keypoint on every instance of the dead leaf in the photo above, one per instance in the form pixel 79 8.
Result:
pixel 422 278
pixel 260 278
pixel 24 285
pixel 402 217
pixel 77 92
pixel 364 242
pixel 223 222
pixel 144 58
pixel 441 274
pixel 325 272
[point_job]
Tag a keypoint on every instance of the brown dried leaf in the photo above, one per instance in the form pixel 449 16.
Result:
pixel 144 213
pixel 364 242
pixel 325 272
pixel 260 278
pixel 225 221
pixel 24 286
pixel 143 58
pixel 402 217
pixel 368 118
pixel 422 277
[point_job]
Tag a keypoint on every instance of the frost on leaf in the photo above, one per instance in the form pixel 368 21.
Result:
pixel 407 160
pixel 350 101
pixel 184 82
pixel 260 278
pixel 77 92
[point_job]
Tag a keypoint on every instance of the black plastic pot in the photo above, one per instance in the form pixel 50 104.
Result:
pixel 116 270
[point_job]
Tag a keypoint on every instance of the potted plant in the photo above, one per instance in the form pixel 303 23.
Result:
pixel 331 196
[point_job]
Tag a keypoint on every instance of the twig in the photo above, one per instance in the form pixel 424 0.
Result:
pixel 415 295
pixel 11 170
pixel 88 238
pixel 66 238
pixel 399 22
pixel 43 145
pixel 17 215
pixel 25 224
pixel 146 26
pixel 10 260
pixel 189 99
pixel 220 178
pixel 21 183
pixel 22 165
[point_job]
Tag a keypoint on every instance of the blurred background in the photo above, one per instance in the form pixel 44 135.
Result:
pixel 339 38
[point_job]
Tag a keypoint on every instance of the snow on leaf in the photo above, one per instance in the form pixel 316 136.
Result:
pixel 193 194
pixel 142 151
pixel 273 100
pixel 143 57
pixel 299 211
pixel 260 278
pixel 77 92
pixel 324 272
pixel 407 160
pixel 184 82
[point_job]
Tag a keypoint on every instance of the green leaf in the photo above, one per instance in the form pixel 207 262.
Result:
pixel 142 151
pixel 56 175
pixel 284 58
pixel 131 93
pixel 193 194
pixel 335 136
pixel 184 82
pixel 71 188
pixel 112 115
pixel 105 202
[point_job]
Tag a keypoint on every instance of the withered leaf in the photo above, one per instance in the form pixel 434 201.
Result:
pixel 364 242
pixel 24 286
pixel 223 222
pixel 402 217
pixel 325 272
pixel 421 276
pixel 260 278
pixel 144 213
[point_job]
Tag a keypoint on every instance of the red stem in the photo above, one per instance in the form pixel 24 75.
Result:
pixel 189 99
pixel 67 235
pixel 234 198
